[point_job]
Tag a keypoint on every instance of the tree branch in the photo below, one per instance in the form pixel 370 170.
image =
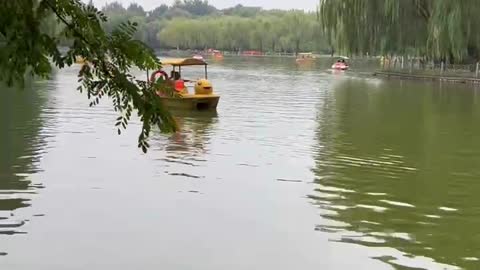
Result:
pixel 71 27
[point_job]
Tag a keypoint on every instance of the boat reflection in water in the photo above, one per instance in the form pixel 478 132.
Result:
pixel 192 139
pixel 184 152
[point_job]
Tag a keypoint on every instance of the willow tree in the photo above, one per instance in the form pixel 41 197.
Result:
pixel 429 28
pixel 27 48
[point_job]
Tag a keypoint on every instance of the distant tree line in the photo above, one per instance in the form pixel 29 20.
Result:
pixel 195 24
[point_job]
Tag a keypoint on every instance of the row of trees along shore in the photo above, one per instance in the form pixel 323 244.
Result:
pixel 435 30
pixel 195 24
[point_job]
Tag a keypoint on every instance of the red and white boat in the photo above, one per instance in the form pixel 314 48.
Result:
pixel 341 64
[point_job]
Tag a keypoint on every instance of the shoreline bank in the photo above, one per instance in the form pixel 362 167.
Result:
pixel 438 78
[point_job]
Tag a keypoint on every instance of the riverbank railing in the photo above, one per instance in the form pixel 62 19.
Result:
pixel 186 53
pixel 262 54
pixel 415 66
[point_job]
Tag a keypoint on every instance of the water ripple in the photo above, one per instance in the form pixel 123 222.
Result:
pixel 391 167
pixel 408 176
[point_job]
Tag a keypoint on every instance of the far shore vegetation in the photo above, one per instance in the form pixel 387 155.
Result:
pixel 197 25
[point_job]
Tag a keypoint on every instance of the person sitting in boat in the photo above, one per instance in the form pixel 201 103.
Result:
pixel 177 82
pixel 174 75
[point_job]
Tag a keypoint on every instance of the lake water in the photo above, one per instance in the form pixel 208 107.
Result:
pixel 301 168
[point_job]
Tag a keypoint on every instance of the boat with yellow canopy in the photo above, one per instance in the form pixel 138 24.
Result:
pixel 80 60
pixel 201 97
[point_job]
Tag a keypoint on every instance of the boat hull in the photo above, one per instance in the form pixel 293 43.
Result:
pixel 191 102
pixel 340 66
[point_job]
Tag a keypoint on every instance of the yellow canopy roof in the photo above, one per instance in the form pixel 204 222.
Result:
pixel 183 62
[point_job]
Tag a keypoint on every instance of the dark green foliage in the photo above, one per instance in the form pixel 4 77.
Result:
pixel 157 13
pixel 195 7
pixel 436 29
pixel 136 10
pixel 114 7
pixel 176 12
pixel 26 48
pixel 242 11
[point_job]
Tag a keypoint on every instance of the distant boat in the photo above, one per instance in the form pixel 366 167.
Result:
pixel 198 57
pixel 341 64
pixel 218 55
pixel 304 58
pixel 252 53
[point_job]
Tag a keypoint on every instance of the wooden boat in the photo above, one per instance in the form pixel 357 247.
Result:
pixel 192 102
pixel 79 60
pixel 201 98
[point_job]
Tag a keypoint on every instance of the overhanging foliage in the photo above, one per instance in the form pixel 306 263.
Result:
pixel 26 46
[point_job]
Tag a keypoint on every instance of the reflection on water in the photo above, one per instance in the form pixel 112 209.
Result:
pixel 190 144
pixel 21 144
pixel 391 167
pixel 398 166
pixel 195 131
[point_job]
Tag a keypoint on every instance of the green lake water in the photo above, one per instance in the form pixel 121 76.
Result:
pixel 300 168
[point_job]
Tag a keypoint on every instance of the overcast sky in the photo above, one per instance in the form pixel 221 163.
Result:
pixel 267 4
